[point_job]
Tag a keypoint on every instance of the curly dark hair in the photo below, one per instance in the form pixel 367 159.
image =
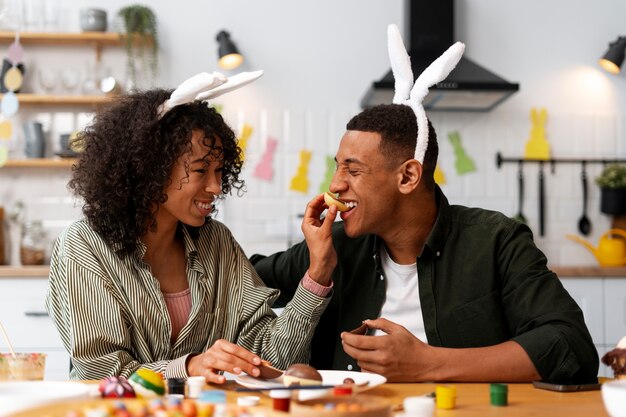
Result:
pixel 397 126
pixel 128 157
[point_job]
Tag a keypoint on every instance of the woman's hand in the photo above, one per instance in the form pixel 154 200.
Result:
pixel 319 239
pixel 223 356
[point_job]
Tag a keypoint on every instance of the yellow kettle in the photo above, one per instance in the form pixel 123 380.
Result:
pixel 611 251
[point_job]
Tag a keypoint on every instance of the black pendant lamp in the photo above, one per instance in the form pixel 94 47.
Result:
pixel 229 56
pixel 613 58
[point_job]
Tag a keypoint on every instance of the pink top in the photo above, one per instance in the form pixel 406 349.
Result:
pixel 179 307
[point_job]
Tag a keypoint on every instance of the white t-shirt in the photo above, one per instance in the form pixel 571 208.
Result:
pixel 402 304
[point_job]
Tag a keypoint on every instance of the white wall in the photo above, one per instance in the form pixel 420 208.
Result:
pixel 319 58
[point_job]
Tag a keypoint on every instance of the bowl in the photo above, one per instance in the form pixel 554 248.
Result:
pixel 614 397
pixel 24 367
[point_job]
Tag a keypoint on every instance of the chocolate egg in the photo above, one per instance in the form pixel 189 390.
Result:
pixel 301 374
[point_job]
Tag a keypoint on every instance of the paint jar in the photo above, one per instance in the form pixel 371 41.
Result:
pixel 499 394
pixel 445 396
pixel 281 398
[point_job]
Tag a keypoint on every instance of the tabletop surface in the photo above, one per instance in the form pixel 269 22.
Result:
pixel 471 400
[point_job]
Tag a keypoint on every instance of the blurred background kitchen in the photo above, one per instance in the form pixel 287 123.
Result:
pixel 320 59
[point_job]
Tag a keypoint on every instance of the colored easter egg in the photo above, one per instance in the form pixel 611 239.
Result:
pixel 147 383
pixel 116 387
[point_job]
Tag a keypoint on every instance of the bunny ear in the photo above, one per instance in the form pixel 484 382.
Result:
pixel 204 86
pixel 190 88
pixel 436 72
pixel 400 64
pixel 233 83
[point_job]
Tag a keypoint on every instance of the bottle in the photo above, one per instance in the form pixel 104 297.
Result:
pixel 32 247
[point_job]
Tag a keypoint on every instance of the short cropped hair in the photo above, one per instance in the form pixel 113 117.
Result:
pixel 397 126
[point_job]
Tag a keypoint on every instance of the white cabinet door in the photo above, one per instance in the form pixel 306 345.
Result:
pixel 589 294
pixel 30 329
pixel 615 310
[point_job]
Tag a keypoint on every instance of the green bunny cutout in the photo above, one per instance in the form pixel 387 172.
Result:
pixel 463 162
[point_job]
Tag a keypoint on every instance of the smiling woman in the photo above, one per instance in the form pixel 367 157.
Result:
pixel 148 278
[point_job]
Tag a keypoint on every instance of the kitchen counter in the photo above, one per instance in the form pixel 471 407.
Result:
pixel 38 271
pixel 589 271
pixel 561 271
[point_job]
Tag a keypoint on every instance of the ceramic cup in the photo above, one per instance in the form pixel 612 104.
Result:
pixel 93 20
pixel 35 140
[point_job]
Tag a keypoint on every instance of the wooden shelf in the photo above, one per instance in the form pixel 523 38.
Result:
pixel 96 39
pixel 40 163
pixel 62 38
pixel 43 99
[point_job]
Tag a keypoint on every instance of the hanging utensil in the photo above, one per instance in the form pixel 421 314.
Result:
pixel 541 200
pixel 520 196
pixel 584 224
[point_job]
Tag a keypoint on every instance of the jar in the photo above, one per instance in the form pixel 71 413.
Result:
pixel 32 247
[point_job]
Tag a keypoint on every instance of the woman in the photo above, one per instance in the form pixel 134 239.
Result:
pixel 147 278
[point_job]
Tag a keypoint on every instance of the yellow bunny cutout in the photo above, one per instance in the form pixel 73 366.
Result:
pixel 538 146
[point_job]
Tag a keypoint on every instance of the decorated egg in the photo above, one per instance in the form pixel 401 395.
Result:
pixel 116 387
pixel 147 383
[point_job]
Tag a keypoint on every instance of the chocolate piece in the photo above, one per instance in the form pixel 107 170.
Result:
pixel 616 359
pixel 302 374
pixel 268 371
pixel 348 381
pixel 362 329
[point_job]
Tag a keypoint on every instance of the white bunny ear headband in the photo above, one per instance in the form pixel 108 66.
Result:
pixel 413 94
pixel 205 86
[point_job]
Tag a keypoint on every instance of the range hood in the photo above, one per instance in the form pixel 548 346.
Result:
pixel 469 87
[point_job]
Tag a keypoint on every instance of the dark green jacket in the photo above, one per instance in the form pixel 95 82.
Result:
pixel 482 281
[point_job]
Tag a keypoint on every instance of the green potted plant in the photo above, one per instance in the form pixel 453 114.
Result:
pixel 612 182
pixel 139 25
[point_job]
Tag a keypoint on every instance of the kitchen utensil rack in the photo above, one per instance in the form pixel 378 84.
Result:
pixel 554 161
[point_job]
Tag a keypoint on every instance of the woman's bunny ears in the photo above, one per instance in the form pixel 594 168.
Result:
pixel 205 86
pixel 412 94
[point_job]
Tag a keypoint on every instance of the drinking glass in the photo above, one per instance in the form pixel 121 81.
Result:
pixel 47 79
pixel 70 78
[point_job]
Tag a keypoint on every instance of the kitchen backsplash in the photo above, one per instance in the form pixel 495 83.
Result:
pixel 267 217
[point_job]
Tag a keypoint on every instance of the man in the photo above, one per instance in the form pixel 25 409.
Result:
pixel 451 293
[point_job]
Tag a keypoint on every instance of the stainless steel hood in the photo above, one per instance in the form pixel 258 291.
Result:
pixel 469 87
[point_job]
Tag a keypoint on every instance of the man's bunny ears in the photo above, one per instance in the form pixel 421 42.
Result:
pixel 412 94
pixel 205 86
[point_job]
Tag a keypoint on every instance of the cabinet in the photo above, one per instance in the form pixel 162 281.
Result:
pixel 30 329
pixel 603 302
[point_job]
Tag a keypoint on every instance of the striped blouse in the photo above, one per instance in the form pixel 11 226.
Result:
pixel 113 319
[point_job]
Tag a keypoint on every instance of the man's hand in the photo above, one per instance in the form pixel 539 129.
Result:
pixel 319 239
pixel 398 355
pixel 401 357
pixel 223 356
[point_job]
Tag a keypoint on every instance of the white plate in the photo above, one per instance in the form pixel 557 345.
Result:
pixel 21 395
pixel 328 378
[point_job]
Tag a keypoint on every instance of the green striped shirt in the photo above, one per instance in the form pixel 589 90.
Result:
pixel 113 319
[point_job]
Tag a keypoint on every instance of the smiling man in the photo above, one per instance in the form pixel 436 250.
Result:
pixel 447 293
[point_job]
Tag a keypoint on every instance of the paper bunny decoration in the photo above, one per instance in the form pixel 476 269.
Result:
pixel 205 86
pixel 412 93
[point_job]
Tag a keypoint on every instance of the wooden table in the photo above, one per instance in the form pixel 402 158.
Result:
pixel 471 400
